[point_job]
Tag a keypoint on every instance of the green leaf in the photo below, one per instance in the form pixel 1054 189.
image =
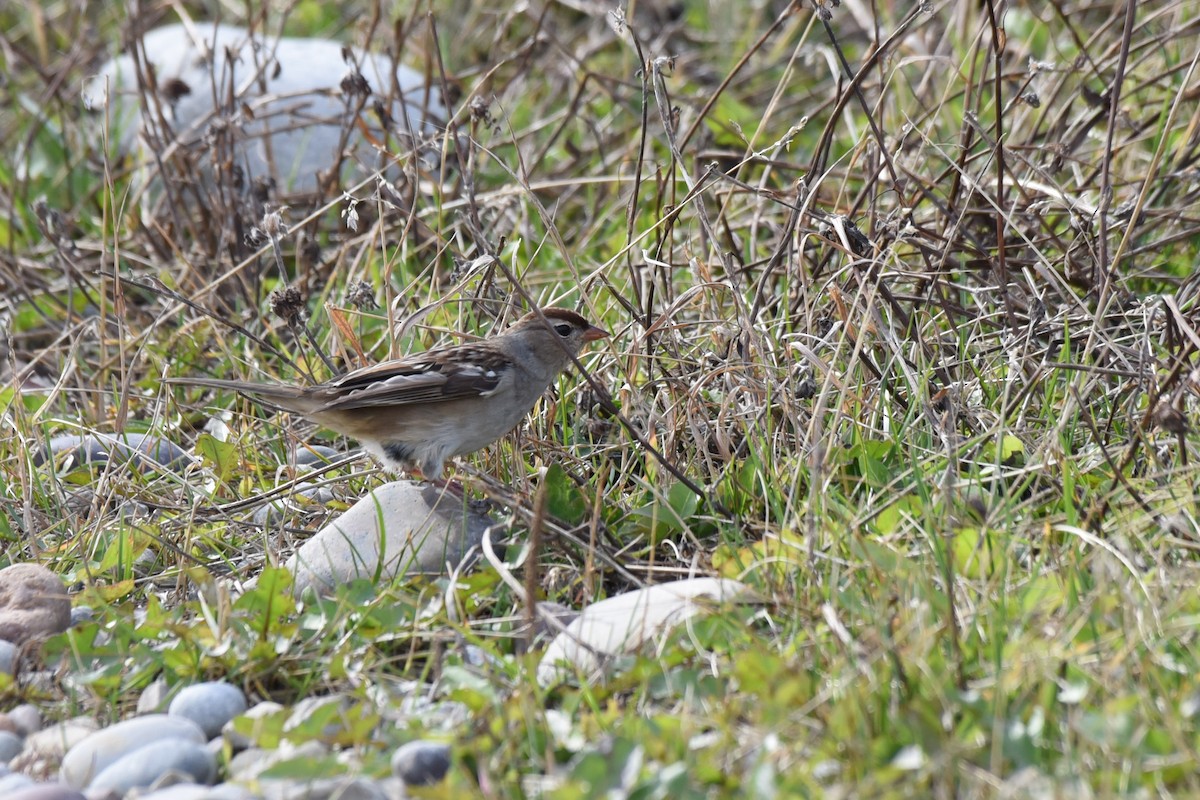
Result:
pixel 564 500
pixel 305 769
pixel 271 598
pixel 264 730
pixel 222 457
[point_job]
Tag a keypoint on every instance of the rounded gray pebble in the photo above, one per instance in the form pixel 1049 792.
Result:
pixel 210 705
pixel 10 745
pixel 154 697
pixel 421 763
pixel 180 791
pixel 26 718
pixel 141 450
pixel 8 657
pixel 360 789
pixel 304 497
pixel 45 791
pixel 81 614
pixel 13 783
pixel 55 741
pixel 94 754
pixel 316 455
pixel 150 762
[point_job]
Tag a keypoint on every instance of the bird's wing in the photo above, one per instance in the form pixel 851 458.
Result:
pixel 424 378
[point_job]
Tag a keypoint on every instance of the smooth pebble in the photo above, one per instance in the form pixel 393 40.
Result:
pixel 8 657
pixel 210 705
pixel 81 614
pixel 316 455
pixel 86 760
pixel 196 791
pixel 148 763
pixel 304 497
pixel 26 719
pixel 13 783
pixel 142 451
pixel 154 697
pixel 179 791
pixel 425 529
pixel 55 741
pixel 421 763
pixel 622 625
pixel 42 791
pixel 10 745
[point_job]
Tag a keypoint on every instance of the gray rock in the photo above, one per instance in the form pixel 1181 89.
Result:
pixel 15 784
pixel 10 745
pixel 344 788
pixel 8 657
pixel 299 124
pixel 33 603
pixel 358 789
pixel 154 697
pixel 210 705
pixel 179 791
pixel 142 451
pixel 92 756
pixel 26 719
pixel 425 529
pixel 54 742
pixel 421 763
pixel 316 455
pixel 196 791
pixel 42 791
pixel 304 497
pixel 81 614
pixel 145 765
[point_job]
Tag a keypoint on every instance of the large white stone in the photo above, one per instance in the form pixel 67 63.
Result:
pixel 398 528
pixel 280 98
pixel 624 624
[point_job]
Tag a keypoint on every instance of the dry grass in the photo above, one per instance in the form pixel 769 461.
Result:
pixel 906 336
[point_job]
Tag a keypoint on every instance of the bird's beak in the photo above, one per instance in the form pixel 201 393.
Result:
pixel 593 333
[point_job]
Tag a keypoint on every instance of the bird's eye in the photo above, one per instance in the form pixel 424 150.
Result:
pixel 563 329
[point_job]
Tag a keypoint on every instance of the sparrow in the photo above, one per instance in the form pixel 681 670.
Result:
pixel 418 411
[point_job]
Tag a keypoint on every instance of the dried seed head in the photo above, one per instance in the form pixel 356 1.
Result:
pixel 270 228
pixel 354 84
pixel 288 305
pixel 361 295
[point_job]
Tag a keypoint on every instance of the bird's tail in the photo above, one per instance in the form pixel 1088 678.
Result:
pixel 288 398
